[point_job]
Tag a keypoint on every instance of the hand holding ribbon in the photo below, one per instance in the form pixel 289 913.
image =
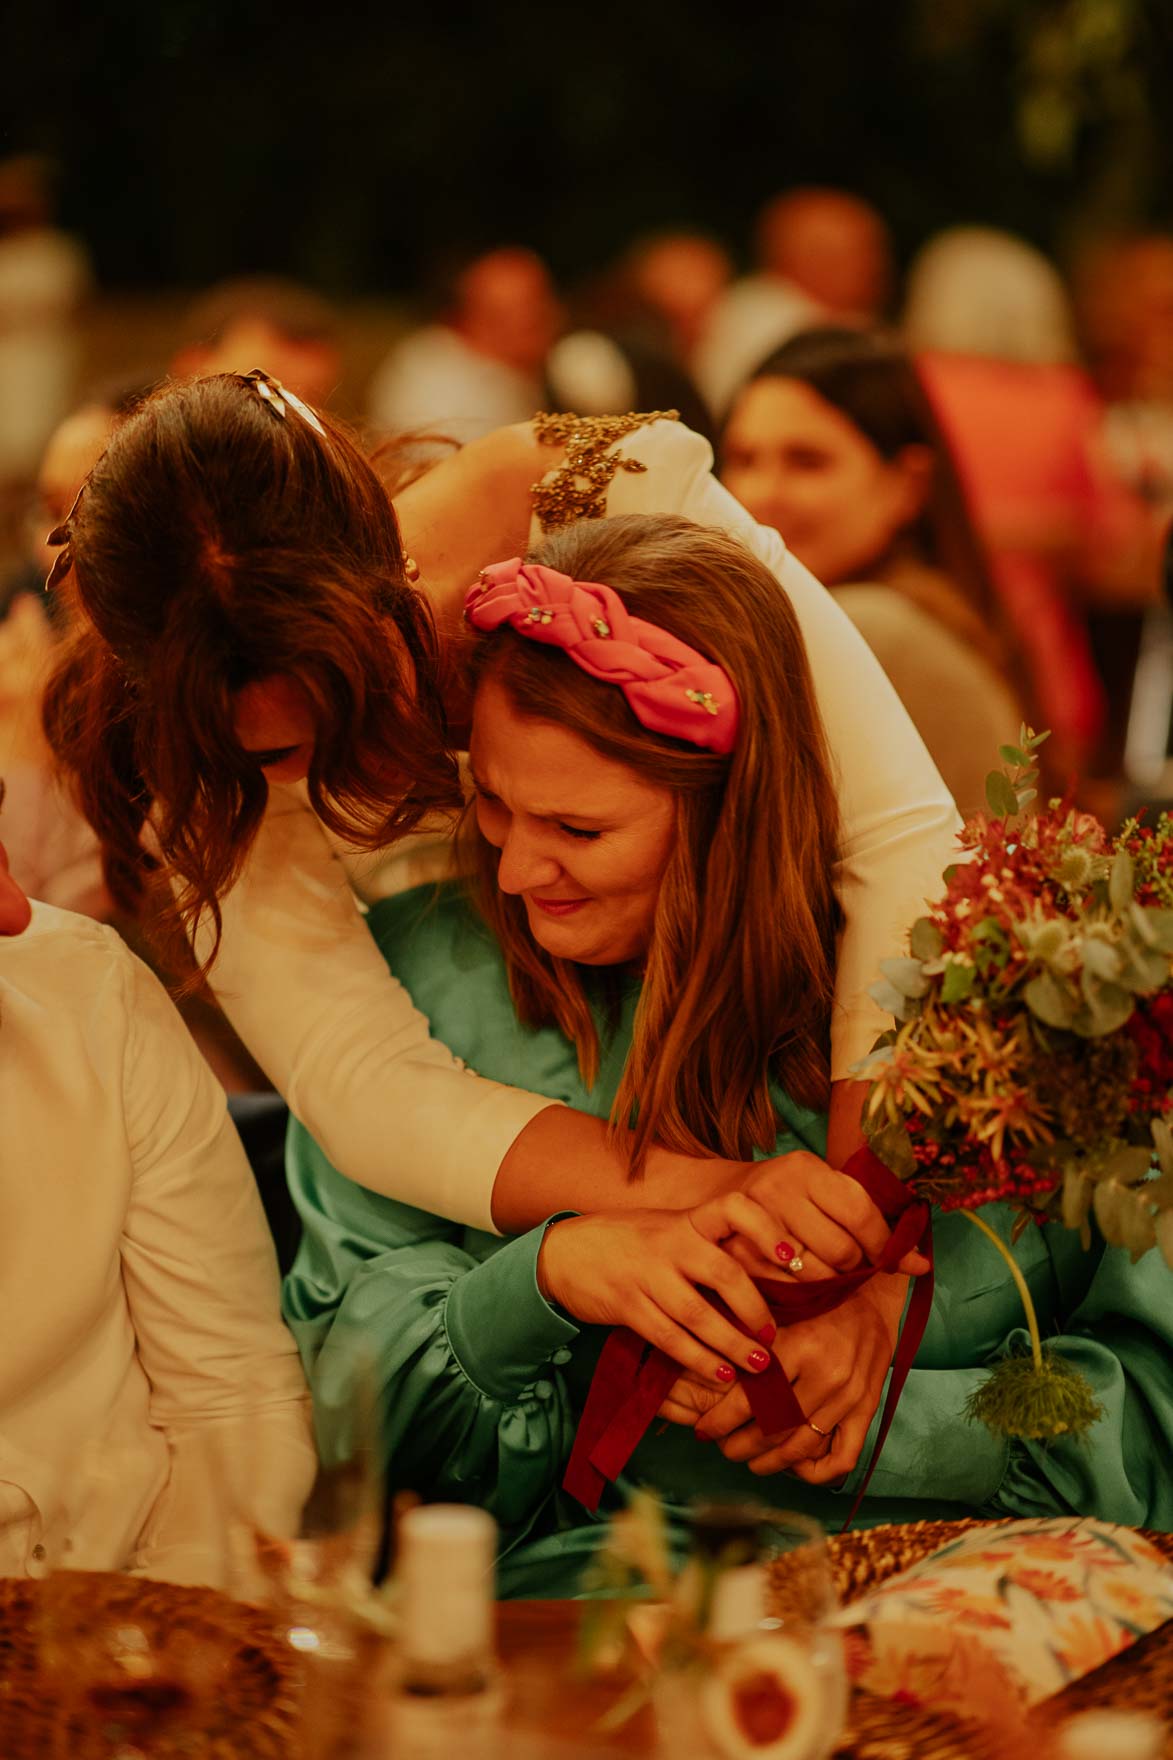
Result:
pixel 632 1379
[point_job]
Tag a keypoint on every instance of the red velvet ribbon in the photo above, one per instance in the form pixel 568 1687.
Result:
pixel 632 1378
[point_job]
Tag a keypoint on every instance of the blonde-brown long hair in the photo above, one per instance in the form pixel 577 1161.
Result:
pixel 740 967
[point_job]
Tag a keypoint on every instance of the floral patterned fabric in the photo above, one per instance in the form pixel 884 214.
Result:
pixel 1022 1610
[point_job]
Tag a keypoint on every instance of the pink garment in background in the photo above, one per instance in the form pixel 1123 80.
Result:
pixel 1028 440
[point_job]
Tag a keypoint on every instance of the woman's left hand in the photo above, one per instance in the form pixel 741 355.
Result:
pixel 837 1365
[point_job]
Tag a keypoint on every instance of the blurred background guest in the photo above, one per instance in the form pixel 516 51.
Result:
pixel 833 442
pixel 990 320
pixel 634 327
pixel 264 321
pixel 821 255
pixel 44 279
pixel 480 364
pixel 1124 304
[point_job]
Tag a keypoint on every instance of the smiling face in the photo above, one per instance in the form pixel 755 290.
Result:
pixel 584 840
pixel 800 465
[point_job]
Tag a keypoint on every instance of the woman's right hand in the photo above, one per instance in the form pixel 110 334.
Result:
pixel 648 1269
pixel 823 1217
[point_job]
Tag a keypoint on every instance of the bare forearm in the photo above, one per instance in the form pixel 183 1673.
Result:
pixel 563 1161
pixel 845 1121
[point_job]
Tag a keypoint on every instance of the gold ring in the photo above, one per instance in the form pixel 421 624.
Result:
pixel 813 1426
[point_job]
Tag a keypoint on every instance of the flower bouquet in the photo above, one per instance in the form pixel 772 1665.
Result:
pixel 1032 1059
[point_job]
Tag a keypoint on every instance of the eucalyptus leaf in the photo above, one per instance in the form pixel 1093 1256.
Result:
pixel 1050 1002
pixel 1014 755
pixel 1024 796
pixel 1160 923
pixel 1108 1202
pixel 1159 1191
pixel 926 941
pixel 906 976
pixel 1000 795
pixel 1101 960
pixel 889 999
pixel 1129 1164
pixel 1143 968
pixel 1108 1007
pixel 958 981
pixel 1155 927
pixel 1077 1197
pixel 1120 881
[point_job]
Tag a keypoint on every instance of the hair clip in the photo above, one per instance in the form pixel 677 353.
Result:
pixel 276 395
pixel 61 536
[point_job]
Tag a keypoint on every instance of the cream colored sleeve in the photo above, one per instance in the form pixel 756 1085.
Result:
pixel 899 821
pixel 303 983
pixel 226 1383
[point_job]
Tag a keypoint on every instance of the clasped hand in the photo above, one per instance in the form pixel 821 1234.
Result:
pixel 649 1269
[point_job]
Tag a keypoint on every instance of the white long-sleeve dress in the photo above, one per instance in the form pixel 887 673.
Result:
pixel 306 988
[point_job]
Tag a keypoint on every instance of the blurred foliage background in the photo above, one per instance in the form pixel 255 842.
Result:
pixel 358 149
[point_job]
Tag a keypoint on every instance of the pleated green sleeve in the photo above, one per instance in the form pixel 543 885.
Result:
pixel 444 1329
pixel 1111 1319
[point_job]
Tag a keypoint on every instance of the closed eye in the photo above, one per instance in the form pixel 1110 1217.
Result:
pixel 578 831
pixel 264 760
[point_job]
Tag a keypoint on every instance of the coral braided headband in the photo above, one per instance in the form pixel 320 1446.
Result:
pixel 671 688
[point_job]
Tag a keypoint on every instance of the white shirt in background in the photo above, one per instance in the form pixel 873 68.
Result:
pixel 149 1391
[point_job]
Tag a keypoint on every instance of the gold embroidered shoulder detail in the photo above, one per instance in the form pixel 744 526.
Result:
pixel 578 488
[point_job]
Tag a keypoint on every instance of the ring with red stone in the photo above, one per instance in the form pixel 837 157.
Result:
pixel 790 1255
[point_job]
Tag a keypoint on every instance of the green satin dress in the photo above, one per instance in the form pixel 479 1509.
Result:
pixel 480 1380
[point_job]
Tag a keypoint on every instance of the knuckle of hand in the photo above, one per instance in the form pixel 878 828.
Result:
pixel 694 1311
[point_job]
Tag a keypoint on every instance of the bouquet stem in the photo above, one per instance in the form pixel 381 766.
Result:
pixel 1032 1321
pixel 1039 1396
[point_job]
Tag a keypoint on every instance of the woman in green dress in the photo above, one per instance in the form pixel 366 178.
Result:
pixel 651 936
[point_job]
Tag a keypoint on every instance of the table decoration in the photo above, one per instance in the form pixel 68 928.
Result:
pixel 734 1649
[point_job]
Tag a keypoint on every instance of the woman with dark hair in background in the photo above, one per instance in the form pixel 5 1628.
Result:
pixel 833 442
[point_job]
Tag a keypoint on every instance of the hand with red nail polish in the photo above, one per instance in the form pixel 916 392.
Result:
pixel 758 1360
pixel 813 1213
pixel 655 1272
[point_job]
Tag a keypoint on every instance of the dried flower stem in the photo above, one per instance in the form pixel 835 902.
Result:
pixel 1032 1319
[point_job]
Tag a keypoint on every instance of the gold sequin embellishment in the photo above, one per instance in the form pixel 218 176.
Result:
pixel 578 488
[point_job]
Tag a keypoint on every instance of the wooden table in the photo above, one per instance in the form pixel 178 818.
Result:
pixel 547 1698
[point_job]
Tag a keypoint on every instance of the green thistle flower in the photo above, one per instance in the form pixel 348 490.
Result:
pixel 1076 869
pixel 1039 1401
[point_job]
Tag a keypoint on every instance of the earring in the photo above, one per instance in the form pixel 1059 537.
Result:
pixel 411 568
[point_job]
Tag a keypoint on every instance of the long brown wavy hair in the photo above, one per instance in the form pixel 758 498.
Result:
pixel 740 968
pixel 215 544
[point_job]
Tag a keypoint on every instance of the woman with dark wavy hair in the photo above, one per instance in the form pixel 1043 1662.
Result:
pixel 246 622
